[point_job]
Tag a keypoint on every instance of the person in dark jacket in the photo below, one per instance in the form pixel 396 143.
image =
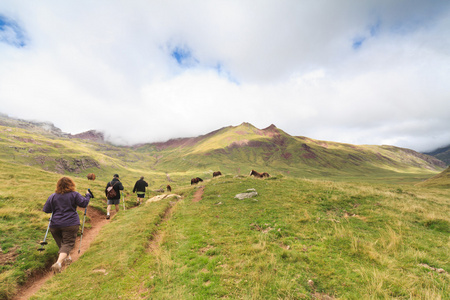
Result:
pixel 65 222
pixel 117 186
pixel 139 189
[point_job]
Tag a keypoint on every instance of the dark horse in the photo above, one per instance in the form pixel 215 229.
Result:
pixel 259 175
pixel 196 180
pixel 216 173
pixel 169 188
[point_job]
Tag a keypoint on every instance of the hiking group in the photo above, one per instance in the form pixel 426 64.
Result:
pixel 64 221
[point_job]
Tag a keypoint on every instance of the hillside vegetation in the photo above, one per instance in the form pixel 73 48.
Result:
pixel 297 239
pixel 238 149
pixel 441 180
pixel 333 220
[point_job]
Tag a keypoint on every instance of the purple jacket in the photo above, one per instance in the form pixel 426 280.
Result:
pixel 64 208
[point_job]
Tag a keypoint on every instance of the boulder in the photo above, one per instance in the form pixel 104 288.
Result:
pixel 246 195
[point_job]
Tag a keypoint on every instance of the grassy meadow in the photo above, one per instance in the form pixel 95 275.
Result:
pixel 298 239
pixel 329 228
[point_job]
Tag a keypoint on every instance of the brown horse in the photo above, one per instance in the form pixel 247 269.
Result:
pixel 216 173
pixel 259 175
pixel 91 176
pixel 196 180
pixel 169 188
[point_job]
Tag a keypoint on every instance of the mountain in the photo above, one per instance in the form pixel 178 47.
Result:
pixel 245 147
pixel 233 150
pixel 50 129
pixel 91 135
pixel 441 154
pixel 41 127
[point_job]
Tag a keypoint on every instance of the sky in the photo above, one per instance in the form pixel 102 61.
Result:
pixel 361 72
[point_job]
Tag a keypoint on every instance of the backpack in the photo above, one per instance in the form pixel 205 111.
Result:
pixel 111 192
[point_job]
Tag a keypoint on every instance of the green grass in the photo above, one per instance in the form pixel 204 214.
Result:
pixel 350 220
pixel 115 262
pixel 22 222
pixel 353 241
pixel 441 180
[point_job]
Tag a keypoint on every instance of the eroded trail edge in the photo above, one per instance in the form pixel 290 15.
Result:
pixel 158 236
pixel 35 282
pixel 198 194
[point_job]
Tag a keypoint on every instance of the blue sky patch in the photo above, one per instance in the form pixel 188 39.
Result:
pixel 372 30
pixel 185 59
pixel 357 42
pixel 183 56
pixel 224 73
pixel 11 33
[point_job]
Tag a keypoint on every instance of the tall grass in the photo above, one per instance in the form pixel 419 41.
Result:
pixel 296 239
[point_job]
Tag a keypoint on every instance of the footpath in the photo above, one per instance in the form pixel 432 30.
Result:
pixel 34 283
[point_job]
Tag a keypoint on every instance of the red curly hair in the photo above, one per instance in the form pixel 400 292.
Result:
pixel 65 185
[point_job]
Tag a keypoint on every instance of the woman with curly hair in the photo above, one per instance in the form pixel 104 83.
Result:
pixel 65 221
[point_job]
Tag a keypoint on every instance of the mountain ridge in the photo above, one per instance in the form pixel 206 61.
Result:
pixel 231 149
pixel 442 153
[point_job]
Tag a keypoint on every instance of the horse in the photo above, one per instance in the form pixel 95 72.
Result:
pixel 216 173
pixel 169 188
pixel 259 175
pixel 91 176
pixel 196 180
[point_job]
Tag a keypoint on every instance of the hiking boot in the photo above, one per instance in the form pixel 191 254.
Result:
pixel 56 267
pixel 107 217
pixel 67 261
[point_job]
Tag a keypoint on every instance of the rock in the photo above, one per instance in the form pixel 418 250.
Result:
pixel 161 197
pixel 246 195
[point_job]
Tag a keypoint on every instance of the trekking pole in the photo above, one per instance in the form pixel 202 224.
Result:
pixel 123 199
pixel 82 228
pixel 44 242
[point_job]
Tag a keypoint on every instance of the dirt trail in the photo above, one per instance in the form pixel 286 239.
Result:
pixel 158 236
pixel 34 283
pixel 198 194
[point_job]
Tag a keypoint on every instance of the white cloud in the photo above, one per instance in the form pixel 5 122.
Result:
pixel 109 65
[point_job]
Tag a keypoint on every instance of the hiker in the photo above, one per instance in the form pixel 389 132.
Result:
pixel 65 221
pixel 117 186
pixel 139 188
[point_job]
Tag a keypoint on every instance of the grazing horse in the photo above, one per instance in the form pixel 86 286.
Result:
pixel 259 175
pixel 217 174
pixel 91 176
pixel 169 188
pixel 196 180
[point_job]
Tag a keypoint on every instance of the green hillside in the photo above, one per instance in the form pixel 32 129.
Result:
pixel 346 217
pixel 239 149
pixel 298 239
pixel 441 180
